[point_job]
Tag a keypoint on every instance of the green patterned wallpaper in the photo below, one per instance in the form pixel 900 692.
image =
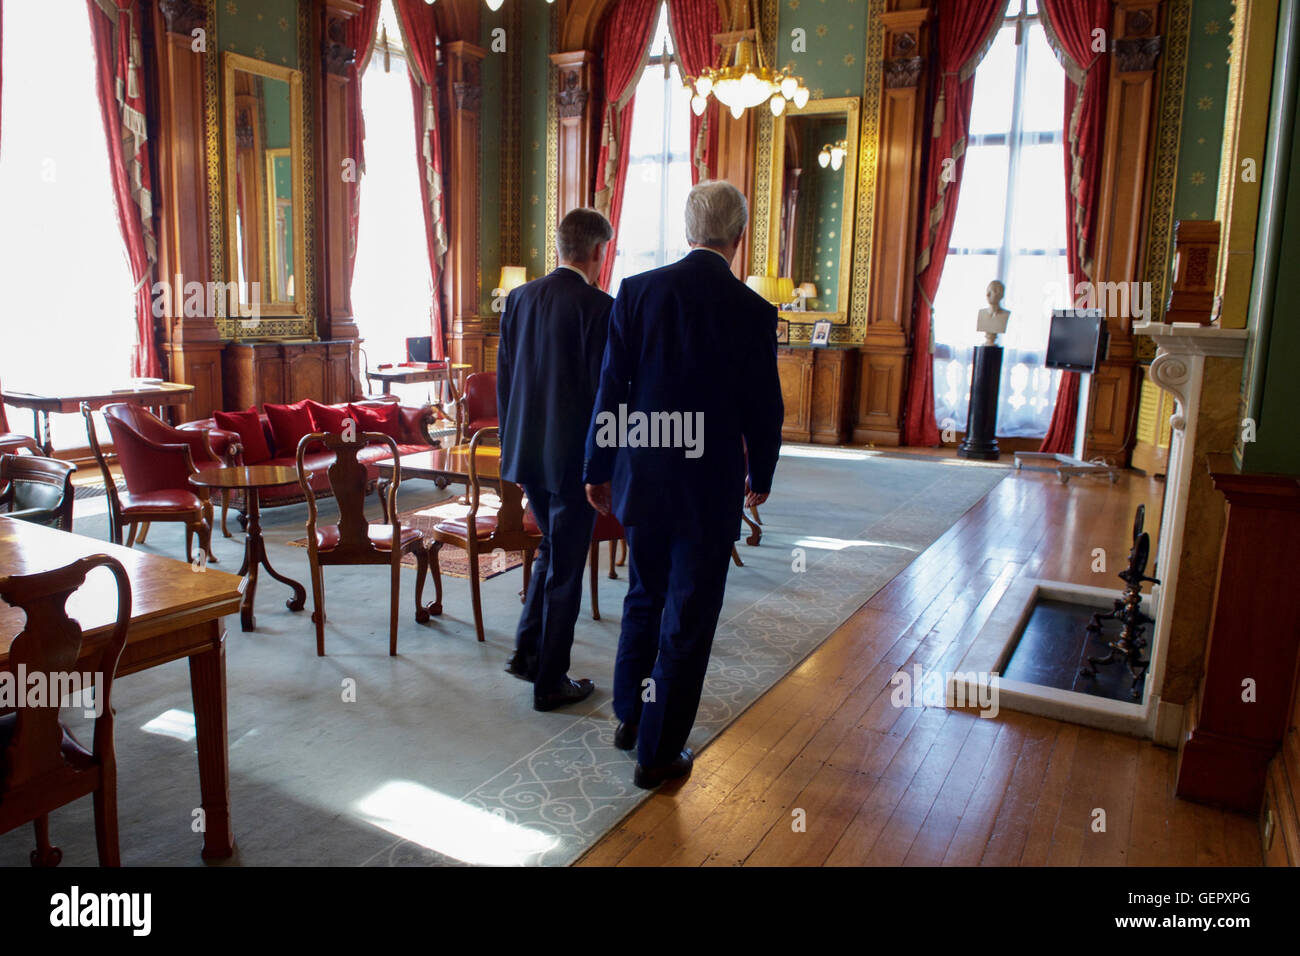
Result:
pixel 1208 46
pixel 536 74
pixel 836 40
pixel 265 29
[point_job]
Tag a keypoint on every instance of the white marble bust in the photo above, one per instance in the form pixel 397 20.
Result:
pixel 992 320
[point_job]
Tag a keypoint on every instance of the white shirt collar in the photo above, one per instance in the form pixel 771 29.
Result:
pixel 565 265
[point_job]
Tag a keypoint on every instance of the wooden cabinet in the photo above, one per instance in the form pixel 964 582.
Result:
pixel 817 387
pixel 255 373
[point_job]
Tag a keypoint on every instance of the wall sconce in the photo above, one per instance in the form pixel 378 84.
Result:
pixel 832 155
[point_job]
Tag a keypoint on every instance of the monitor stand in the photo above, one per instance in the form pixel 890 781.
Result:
pixel 1067 466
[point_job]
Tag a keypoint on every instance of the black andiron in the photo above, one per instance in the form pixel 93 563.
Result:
pixel 1128 611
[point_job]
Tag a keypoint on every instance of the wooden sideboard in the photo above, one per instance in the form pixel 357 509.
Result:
pixel 817 388
pixel 254 373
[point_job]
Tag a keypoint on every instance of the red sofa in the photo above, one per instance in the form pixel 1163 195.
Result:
pixel 414 437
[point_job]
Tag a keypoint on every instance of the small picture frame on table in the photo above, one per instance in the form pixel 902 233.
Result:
pixel 782 331
pixel 821 333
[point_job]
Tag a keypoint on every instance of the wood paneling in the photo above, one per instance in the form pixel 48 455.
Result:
pixel 1245 705
pixel 878 417
pixel 282 372
pixel 192 347
pixel 1122 214
pixel 462 90
pixel 816 386
pixel 579 130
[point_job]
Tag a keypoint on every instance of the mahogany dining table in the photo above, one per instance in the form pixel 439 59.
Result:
pixel 176 613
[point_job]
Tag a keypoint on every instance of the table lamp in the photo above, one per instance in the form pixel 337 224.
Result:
pixel 769 287
pixel 512 277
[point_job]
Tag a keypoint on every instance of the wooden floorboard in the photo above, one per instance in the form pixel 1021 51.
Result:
pixel 826 769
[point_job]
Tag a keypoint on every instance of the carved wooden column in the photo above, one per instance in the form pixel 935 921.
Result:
pixel 335 193
pixel 885 348
pixel 462 91
pixel 1130 117
pixel 192 346
pixel 579 130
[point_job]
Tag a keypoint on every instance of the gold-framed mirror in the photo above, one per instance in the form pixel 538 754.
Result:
pixel 812 188
pixel 265 187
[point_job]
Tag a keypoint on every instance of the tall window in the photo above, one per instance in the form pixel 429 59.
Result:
pixel 652 229
pixel 69 298
pixel 392 287
pixel 1010 225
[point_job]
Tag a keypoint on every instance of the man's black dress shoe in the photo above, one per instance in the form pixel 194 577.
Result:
pixel 647 778
pixel 625 736
pixel 518 666
pixel 570 692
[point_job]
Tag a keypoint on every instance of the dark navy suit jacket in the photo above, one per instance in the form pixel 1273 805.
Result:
pixel 548 365
pixel 690 338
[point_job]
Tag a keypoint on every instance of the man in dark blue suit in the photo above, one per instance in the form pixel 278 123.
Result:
pixel 552 338
pixel 686 428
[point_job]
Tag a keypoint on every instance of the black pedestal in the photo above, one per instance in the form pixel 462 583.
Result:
pixel 982 416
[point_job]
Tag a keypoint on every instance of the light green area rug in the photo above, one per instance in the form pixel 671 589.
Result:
pixel 440 759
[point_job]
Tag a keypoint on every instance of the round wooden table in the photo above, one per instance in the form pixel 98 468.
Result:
pixel 252 478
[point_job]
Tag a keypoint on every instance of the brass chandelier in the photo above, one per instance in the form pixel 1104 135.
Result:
pixel 747 82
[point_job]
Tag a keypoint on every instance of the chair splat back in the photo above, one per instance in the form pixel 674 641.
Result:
pixel 50 644
pixel 348 480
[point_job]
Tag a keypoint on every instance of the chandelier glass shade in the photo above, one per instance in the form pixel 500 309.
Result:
pixel 745 84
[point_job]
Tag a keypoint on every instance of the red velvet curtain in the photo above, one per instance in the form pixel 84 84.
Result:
pixel 964 29
pixel 693 24
pixel 628 30
pixel 119 80
pixel 420 35
pixel 1070 26
pixel 359 34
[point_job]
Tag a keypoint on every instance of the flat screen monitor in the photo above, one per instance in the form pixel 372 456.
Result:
pixel 1077 340
pixel 419 349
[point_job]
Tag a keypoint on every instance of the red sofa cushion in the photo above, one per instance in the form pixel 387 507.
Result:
pixel 249 426
pixel 379 418
pixel 328 418
pixel 288 424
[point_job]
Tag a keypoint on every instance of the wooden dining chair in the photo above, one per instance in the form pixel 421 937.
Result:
pixel 42 766
pixel 606 528
pixel 354 540
pixel 37 489
pixel 158 485
pixel 477 533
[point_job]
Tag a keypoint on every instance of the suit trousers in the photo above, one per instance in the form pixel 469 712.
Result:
pixel 545 635
pixel 677 575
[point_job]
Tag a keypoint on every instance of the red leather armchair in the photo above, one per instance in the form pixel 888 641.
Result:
pixel 476 408
pixel 157 478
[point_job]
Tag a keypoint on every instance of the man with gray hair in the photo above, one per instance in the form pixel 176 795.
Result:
pixel 688 339
pixel 548 364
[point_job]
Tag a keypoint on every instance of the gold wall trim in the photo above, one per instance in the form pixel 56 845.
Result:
pixel 868 153
pixel 552 144
pixel 216 190
pixel 760 215
pixel 1169 129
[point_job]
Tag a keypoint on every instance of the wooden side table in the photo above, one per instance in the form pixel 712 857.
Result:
pixel 252 478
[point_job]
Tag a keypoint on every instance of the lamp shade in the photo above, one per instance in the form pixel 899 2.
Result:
pixel 785 289
pixel 807 290
pixel 512 277
pixel 769 287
